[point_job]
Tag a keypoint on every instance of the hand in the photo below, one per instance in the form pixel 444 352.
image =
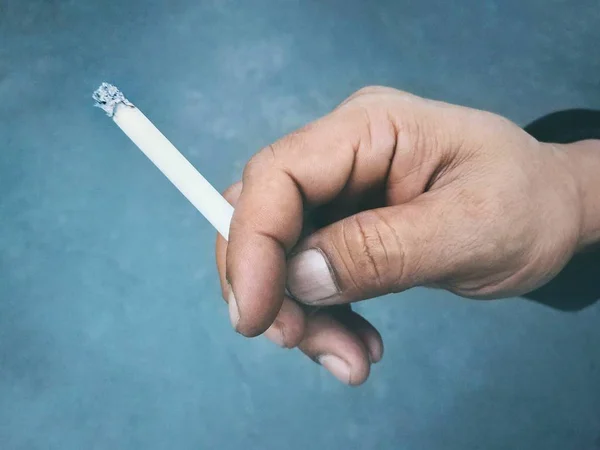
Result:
pixel 387 192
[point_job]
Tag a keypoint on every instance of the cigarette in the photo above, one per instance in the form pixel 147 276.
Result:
pixel 166 157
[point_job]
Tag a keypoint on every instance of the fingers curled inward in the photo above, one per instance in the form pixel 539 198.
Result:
pixel 287 329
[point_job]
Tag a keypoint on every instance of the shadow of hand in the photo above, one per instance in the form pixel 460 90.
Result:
pixel 578 285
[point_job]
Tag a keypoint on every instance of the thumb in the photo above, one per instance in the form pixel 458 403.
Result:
pixel 372 253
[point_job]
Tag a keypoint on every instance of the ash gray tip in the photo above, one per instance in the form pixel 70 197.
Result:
pixel 108 97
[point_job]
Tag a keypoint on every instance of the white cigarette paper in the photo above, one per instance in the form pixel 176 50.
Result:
pixel 166 157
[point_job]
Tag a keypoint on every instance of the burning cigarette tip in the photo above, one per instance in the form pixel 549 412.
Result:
pixel 108 97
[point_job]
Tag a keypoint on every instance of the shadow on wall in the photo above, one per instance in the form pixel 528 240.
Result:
pixel 575 288
pixel 578 285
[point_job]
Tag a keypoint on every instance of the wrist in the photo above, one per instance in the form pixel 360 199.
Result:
pixel 584 164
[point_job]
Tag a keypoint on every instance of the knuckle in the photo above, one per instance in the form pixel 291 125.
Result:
pixel 368 90
pixel 378 90
pixel 232 193
pixel 259 162
pixel 366 240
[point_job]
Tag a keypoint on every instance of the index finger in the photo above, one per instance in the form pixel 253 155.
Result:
pixel 303 170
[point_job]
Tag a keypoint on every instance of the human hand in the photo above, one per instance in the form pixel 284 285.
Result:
pixel 387 192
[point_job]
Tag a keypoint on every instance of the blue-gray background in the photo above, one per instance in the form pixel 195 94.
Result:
pixel 112 331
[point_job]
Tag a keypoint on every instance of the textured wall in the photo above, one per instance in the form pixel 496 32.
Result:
pixel 112 331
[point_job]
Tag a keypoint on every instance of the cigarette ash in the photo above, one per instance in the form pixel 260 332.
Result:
pixel 108 97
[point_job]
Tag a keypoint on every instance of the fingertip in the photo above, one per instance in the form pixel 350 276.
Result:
pixel 288 329
pixel 361 369
pixel 336 366
pixel 367 333
pixel 251 330
pixel 256 272
pixel 276 333
pixel 337 349
pixel 374 343
pixel 352 370
pixel 251 319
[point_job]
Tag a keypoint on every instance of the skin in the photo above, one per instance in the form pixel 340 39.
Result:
pixel 397 191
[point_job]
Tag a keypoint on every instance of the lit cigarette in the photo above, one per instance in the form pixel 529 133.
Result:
pixel 166 157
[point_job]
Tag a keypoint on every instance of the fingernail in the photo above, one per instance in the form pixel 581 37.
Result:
pixel 234 313
pixel 276 334
pixel 337 366
pixel 310 278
